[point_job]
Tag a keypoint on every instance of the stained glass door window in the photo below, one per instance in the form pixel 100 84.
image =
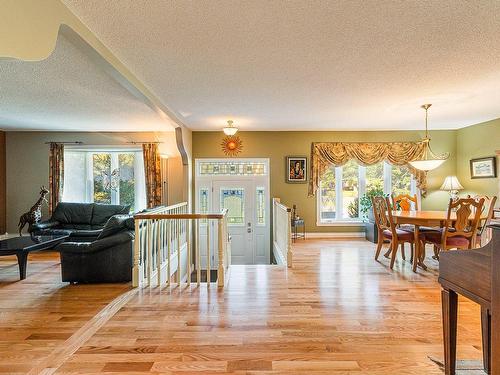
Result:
pixel 234 201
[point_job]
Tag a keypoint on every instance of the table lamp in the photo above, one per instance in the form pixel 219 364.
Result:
pixel 452 185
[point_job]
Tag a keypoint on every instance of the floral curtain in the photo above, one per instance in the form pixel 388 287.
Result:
pixel 152 172
pixel 326 154
pixel 56 174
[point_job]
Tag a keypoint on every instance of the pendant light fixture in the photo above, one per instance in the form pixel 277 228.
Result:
pixel 430 161
pixel 230 129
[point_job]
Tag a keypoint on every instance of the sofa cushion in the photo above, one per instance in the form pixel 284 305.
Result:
pixel 115 224
pixel 73 213
pixel 102 212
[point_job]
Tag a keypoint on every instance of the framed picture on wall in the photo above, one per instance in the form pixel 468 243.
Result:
pixel 483 167
pixel 296 169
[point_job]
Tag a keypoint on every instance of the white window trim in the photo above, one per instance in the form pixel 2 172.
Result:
pixel 139 191
pixel 387 175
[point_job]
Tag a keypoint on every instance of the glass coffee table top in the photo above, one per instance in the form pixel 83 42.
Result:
pixel 28 242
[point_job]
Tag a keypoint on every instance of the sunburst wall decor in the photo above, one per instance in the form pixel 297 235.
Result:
pixel 231 145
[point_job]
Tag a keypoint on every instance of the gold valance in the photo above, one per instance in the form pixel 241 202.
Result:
pixel 326 154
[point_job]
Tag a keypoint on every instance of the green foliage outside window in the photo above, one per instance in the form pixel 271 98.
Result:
pixel 102 164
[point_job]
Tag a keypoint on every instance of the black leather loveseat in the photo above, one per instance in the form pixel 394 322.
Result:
pixel 105 259
pixel 82 221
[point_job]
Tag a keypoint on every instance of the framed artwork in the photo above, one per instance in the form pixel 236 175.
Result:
pixel 296 169
pixel 483 167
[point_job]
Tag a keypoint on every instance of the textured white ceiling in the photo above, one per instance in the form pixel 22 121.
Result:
pixel 314 64
pixel 68 91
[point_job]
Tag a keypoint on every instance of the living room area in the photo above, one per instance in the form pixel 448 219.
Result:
pixel 249 187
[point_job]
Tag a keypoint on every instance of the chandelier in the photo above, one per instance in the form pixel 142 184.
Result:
pixel 430 160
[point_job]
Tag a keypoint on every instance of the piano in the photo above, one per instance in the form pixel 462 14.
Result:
pixel 474 274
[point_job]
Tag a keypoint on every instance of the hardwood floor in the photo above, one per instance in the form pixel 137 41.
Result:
pixel 336 312
pixel 40 315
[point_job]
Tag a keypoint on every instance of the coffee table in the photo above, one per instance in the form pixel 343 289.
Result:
pixel 22 246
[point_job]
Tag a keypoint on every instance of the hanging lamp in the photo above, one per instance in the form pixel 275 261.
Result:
pixel 230 129
pixel 430 160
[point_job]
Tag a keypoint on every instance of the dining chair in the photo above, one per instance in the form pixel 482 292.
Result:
pixel 404 202
pixel 459 233
pixel 387 229
pixel 488 208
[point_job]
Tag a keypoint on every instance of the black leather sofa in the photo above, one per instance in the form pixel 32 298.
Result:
pixel 82 221
pixel 104 259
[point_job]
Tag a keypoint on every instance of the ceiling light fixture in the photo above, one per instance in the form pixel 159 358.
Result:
pixel 430 160
pixel 230 129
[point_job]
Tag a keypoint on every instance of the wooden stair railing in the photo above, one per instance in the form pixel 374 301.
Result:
pixel 163 248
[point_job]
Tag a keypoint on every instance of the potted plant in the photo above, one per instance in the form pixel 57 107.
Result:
pixel 365 204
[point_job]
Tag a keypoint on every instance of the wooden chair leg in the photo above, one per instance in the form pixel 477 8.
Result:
pixel 422 252
pixel 449 301
pixel 436 252
pixel 394 248
pixel 486 338
pixel 389 251
pixel 403 255
pixel 380 242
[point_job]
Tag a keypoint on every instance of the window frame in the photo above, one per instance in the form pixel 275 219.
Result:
pixel 339 220
pixel 114 152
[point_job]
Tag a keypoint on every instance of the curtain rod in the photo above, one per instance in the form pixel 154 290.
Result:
pixel 66 143
pixel 81 143
pixel 142 143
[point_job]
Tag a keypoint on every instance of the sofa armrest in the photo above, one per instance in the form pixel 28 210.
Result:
pixel 43 225
pixel 74 247
pixel 84 235
pixel 95 246
pixel 110 241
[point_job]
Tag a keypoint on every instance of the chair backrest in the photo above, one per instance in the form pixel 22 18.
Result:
pixel 404 201
pixel 382 213
pixel 468 213
pixel 487 211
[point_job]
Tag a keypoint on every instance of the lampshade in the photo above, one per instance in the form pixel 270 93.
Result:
pixel 451 183
pixel 230 129
pixel 427 165
pixel 430 160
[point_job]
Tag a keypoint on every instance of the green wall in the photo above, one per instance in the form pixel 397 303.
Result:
pixel 277 145
pixel 478 141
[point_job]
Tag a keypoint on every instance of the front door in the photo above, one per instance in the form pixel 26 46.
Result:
pixel 238 197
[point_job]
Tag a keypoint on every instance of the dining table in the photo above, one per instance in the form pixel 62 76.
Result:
pixel 419 219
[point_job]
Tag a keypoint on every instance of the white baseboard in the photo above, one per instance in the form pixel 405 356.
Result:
pixel 312 235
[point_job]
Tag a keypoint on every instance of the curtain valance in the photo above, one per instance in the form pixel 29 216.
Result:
pixel 326 154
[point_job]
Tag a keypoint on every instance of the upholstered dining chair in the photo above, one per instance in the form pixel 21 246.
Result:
pixel 488 208
pixel 387 229
pixel 461 232
pixel 404 202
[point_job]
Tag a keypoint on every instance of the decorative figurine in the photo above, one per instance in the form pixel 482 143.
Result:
pixel 35 213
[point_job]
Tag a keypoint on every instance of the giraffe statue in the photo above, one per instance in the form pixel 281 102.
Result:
pixel 35 213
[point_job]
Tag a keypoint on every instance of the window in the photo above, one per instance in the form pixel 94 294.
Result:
pixel 341 187
pixel 237 168
pixel 203 203
pixel 107 177
pixel 234 201
pixel 261 206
